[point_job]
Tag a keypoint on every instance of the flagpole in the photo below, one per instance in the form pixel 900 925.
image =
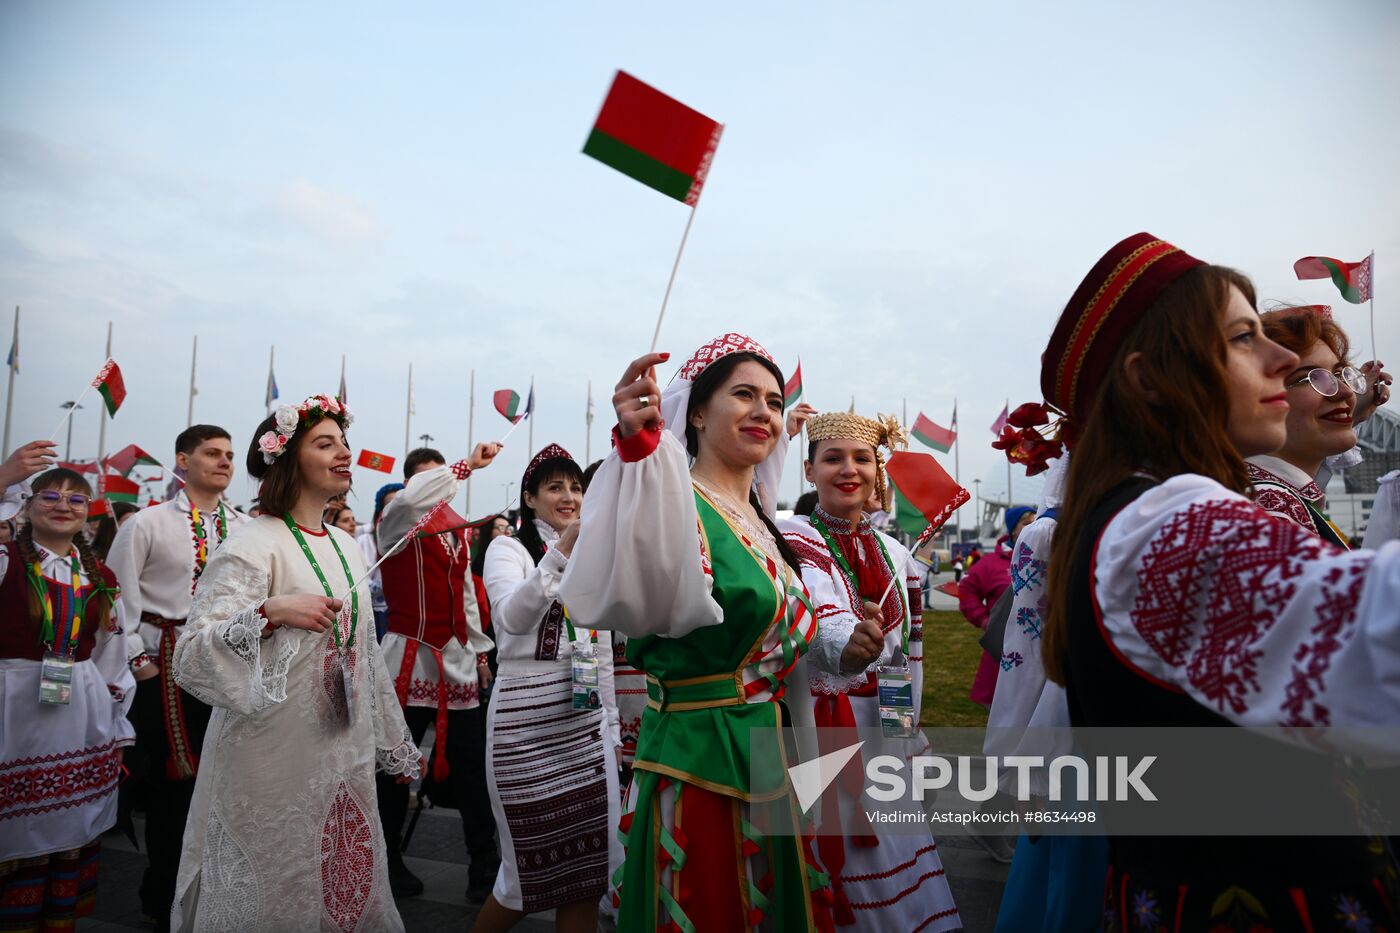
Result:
pixel 10 395
pixel 343 391
pixel 194 358
pixel 588 427
pixel 957 471
pixel 471 432
pixel 271 379
pixel 408 411
pixel 1372 287
pixel 656 334
pixel 531 451
pixel 102 415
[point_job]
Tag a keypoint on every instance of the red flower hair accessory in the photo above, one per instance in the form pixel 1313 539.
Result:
pixel 1035 433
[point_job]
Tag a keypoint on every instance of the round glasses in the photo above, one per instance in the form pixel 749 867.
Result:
pixel 53 499
pixel 1327 383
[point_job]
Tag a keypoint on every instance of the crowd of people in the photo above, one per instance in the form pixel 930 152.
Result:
pixel 594 671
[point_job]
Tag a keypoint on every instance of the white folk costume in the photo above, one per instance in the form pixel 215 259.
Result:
pixel 1188 605
pixel 552 768
pixel 158 555
pixel 1286 492
pixel 719 624
pixel 879 881
pixel 1385 512
pixel 59 762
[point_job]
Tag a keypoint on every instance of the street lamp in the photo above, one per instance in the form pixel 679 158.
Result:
pixel 426 439
pixel 68 444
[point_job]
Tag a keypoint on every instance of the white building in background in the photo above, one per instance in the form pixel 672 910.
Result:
pixel 1351 493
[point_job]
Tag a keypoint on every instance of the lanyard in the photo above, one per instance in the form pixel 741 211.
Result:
pixel 573 636
pixel 831 544
pixel 74 620
pixel 354 593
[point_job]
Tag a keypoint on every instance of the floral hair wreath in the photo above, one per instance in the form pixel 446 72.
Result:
pixel 1035 433
pixel 288 419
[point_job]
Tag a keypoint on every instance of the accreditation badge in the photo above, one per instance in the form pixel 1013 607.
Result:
pixel 347 687
pixel 56 679
pixel 896 703
pixel 585 680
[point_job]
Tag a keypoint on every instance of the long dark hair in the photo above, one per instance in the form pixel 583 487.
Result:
pixel 1183 429
pixel 553 468
pixel 281 479
pixel 705 386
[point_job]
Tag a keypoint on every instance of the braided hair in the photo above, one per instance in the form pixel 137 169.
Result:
pixel 62 478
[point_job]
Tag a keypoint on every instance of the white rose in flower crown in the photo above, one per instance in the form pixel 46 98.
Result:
pixel 287 418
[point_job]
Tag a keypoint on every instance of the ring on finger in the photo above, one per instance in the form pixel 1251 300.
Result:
pixel 644 402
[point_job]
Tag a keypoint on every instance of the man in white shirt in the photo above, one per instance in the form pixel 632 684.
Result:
pixel 158 556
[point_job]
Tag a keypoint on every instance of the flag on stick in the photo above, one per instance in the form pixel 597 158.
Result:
pixel 654 139
pixel 77 467
pixel 108 383
pixel 120 489
pixel 128 458
pixel 1353 279
pixel 507 402
pixel 1000 423
pixel 793 390
pixel 919 480
pixel 376 461
pixel 925 431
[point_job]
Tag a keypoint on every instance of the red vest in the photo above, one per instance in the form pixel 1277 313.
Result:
pixel 425 585
pixel 19 636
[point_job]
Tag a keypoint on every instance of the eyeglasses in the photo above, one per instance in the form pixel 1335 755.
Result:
pixel 53 499
pixel 1328 384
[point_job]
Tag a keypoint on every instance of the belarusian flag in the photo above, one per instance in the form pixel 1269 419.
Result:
pixel 120 489
pixel 920 482
pixel 1000 423
pixel 926 432
pixel 82 466
pixel 108 382
pixel 507 402
pixel 793 390
pixel 655 139
pixel 376 461
pixel 1353 279
pixel 128 458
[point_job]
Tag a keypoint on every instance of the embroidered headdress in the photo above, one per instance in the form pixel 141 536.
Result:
pixel 1110 301
pixel 551 452
pixel 881 431
pixel 288 419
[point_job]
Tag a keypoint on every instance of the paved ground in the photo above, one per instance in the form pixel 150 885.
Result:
pixel 438 856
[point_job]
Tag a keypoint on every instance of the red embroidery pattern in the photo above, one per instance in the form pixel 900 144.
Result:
pixel 1336 614
pixel 1287 507
pixel 816 555
pixel 425 693
pixel 1226 567
pixel 56 782
pixel 717 349
pixel 347 860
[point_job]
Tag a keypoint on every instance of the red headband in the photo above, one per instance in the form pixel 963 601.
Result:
pixel 552 452
pixel 717 349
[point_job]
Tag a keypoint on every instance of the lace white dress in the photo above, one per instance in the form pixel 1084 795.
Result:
pixel 283 832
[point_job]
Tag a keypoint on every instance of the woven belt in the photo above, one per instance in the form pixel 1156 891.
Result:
pixel 183 761
pixel 676 696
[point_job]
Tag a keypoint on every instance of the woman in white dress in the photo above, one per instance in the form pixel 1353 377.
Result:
pixel 284 832
pixel 552 762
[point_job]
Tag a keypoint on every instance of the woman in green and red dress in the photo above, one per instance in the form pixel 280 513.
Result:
pixel 678 551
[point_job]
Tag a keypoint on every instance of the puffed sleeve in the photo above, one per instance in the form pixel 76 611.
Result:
pixel 395 752
pixel 520 590
pixel 637 567
pixel 831 602
pixel 129 552
pixel 1254 618
pixel 422 491
pixel 109 656
pixel 221 657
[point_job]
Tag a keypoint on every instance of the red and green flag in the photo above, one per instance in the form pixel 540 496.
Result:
pixel 371 460
pixel 108 382
pixel 130 457
pixel 925 488
pixel 507 402
pixel 1353 279
pixel 926 432
pixel 793 390
pixel 653 138
pixel 120 489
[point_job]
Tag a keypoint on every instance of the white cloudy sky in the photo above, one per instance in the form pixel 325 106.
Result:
pixel 905 196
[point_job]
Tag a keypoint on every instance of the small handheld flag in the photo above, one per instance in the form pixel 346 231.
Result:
pixel 108 383
pixel 507 402
pixel 120 489
pixel 654 139
pixel 376 461
pixel 1353 279
pixel 793 390
pixel 128 458
pixel 925 431
pixel 919 480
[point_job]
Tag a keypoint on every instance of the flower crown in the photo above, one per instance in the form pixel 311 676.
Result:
pixel 289 418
